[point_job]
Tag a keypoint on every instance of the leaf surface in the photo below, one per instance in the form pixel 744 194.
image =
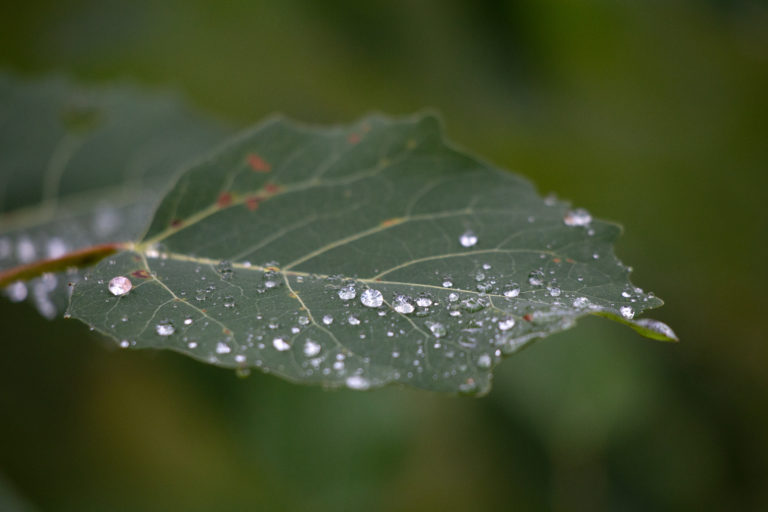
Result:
pixel 84 166
pixel 359 256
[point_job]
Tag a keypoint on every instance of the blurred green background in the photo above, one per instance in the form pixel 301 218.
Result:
pixel 653 114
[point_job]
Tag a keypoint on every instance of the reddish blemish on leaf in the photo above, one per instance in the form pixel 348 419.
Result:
pixel 556 260
pixel 224 200
pixel 227 331
pixel 391 222
pixel 353 138
pixel 272 188
pixel 141 274
pixel 258 164
pixel 252 202
pixel 527 317
pixel 570 260
pixel 176 223
pixel 272 269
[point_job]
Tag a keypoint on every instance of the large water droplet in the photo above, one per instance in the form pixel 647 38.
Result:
pixel 348 292
pixel 120 285
pixel 165 328
pixel 577 217
pixel 468 238
pixel 372 298
pixel 402 304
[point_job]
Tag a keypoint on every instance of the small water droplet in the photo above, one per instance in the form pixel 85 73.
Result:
pixel 348 292
pixel 120 285
pixel 453 297
pixel 124 344
pixel 311 348
pixel 240 358
pixel 402 305
pixel 512 290
pixel 327 319
pixel 577 217
pixel 303 320
pixel 165 329
pixel 187 321
pixel 224 268
pixel 626 295
pixel 372 298
pixel 424 301
pixel 447 283
pixel 484 361
pixel 627 312
pixel 438 330
pixel 554 291
pixel 280 344
pixel 358 383
pixel 353 320
pixel 580 302
pixel 17 292
pixel 468 238
pixel 223 348
pixel 507 323
pixel 536 278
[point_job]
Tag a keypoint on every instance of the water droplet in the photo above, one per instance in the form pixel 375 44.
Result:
pixel 512 290
pixel 120 285
pixel 311 348
pixel 447 282
pixel 424 301
pixel 229 302
pixel 224 268
pixel 580 302
pixel 484 361
pixel 187 321
pixel 372 298
pixel 240 358
pixel 17 292
pixel 280 344
pixel 303 320
pixel 25 250
pixel 223 348
pixel 357 382
pixel 554 291
pixel 402 304
pixel 577 217
pixel 507 323
pixel 124 344
pixel 626 295
pixel 353 320
pixel 56 248
pixel 627 312
pixel 192 344
pixel 347 292
pixel 453 297
pixel 327 319
pixel 165 329
pixel 658 327
pixel 438 330
pixel 472 305
pixel 468 239
pixel 536 278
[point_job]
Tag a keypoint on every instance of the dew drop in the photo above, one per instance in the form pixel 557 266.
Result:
pixel 438 330
pixel 348 292
pixel 187 321
pixel 536 278
pixel 358 383
pixel 303 320
pixel 372 298
pixel 468 238
pixel 240 358
pixel 484 361
pixel 402 305
pixel 554 291
pixel 512 290
pixel 124 344
pixel 327 319
pixel 424 301
pixel 580 302
pixel 311 348
pixel 280 344
pixel 472 305
pixel 577 217
pixel 120 285
pixel 353 320
pixel 165 329
pixel 627 312
pixel 17 292
pixel 626 295
pixel 223 348
pixel 506 324
pixel 453 297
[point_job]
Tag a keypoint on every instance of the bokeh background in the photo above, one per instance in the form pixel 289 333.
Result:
pixel 653 114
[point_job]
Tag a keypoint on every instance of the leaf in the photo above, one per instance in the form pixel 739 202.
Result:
pixel 357 256
pixel 84 166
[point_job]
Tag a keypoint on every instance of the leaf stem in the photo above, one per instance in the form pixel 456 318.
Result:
pixel 81 258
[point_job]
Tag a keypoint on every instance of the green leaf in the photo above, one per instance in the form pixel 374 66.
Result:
pixel 84 166
pixel 358 256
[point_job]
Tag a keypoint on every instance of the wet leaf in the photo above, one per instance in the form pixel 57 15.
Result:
pixel 84 166
pixel 357 256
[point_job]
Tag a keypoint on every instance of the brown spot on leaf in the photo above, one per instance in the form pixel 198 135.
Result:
pixel 527 317
pixel 141 274
pixel 272 188
pixel 258 164
pixel 353 138
pixel 176 223
pixel 252 202
pixel 224 200
pixel 556 260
